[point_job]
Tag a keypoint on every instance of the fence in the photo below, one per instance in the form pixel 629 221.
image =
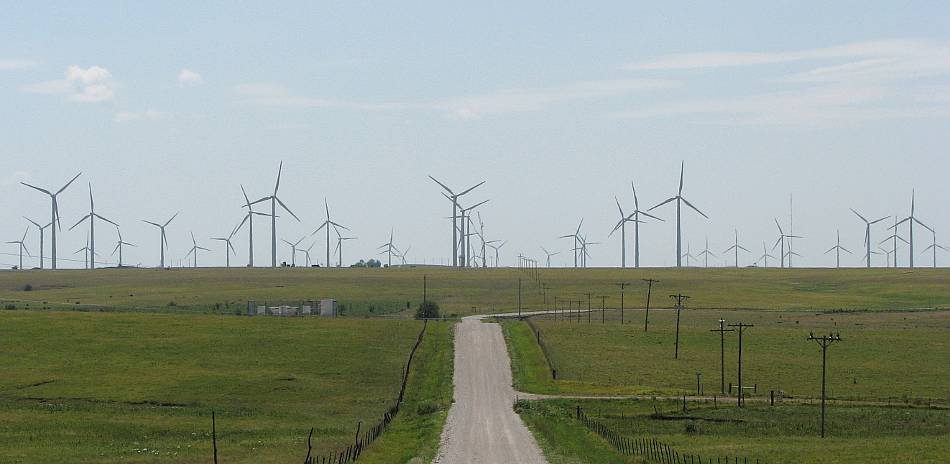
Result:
pixel 544 348
pixel 651 448
pixel 352 452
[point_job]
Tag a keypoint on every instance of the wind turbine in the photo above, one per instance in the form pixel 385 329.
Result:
pixel 934 247
pixel 781 240
pixel 293 250
pixel 895 237
pixel 688 254
pixel 576 236
pixel 42 229
pixel 549 255
pixel 92 227
pixel 339 247
pixel 402 255
pixel 326 225
pixel 584 253
pixel 679 200
pixel 249 219
pixel 838 249
pixel 119 245
pixel 54 217
pixel 635 216
pixel 86 255
pixel 736 247
pixel 911 220
pixel 163 243
pixel 706 254
pixel 465 231
pixel 274 201
pixel 867 233
pixel 194 250
pixel 22 245
pixel 496 248
pixel 306 253
pixel 453 197
pixel 389 249
pixel 888 253
pixel 228 248
pixel 765 255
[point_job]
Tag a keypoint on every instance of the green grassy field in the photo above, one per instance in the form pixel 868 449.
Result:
pixel 130 387
pixel 375 291
pixel 783 433
pixel 898 356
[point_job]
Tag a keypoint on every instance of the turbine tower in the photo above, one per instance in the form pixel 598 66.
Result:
pixel 838 249
pixel 549 255
pixel 54 216
pixel 453 197
pixel 765 255
pixel 326 225
pixel 466 230
pixel 895 237
pixel 910 220
pixel 42 230
pixel 679 229
pixel 249 219
pixel 576 236
pixel 194 250
pixel 92 216
pixel 496 248
pixel 228 248
pixel 293 250
pixel 736 247
pixel 274 201
pixel 22 245
pixel 867 233
pixel 706 254
pixel 934 247
pixel 119 245
pixel 782 236
pixel 163 243
pixel 339 247
pixel 635 215
pixel 389 249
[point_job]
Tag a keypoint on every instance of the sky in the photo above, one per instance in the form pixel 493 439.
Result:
pixel 172 106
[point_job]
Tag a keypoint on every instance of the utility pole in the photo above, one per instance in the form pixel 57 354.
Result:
pixel 555 308
pixel 722 352
pixel 621 285
pixel 740 327
pixel 680 298
pixel 646 317
pixel 824 341
pixel 425 288
pixel 579 309
pixel 519 298
pixel 603 309
pixel 588 307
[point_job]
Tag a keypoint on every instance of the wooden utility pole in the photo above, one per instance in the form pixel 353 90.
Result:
pixel 555 308
pixel 740 327
pixel 603 309
pixel 680 299
pixel 722 353
pixel 588 307
pixel 824 341
pixel 214 438
pixel 646 317
pixel 425 288
pixel 621 285
pixel 519 298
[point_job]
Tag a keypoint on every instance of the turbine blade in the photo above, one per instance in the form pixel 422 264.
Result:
pixel 661 204
pixel 171 219
pixel 282 205
pixel 68 183
pixel 859 215
pixel 694 208
pixel 443 185
pixel 471 188
pixel 37 188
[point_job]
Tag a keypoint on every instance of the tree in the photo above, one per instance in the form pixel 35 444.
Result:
pixel 427 310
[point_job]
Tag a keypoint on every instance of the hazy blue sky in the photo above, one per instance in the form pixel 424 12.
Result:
pixel 169 106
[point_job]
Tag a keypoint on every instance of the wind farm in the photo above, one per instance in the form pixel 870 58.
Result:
pixel 516 268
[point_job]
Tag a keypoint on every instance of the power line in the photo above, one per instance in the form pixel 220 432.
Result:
pixel 722 352
pixel 740 327
pixel 680 299
pixel 824 341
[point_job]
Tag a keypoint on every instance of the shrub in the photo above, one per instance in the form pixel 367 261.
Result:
pixel 427 310
pixel 693 428
pixel 27 288
pixel 426 408
pixel 10 306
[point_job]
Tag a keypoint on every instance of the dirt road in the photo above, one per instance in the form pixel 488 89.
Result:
pixel 482 427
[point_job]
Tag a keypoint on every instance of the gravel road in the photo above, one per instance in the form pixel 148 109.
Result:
pixel 482 427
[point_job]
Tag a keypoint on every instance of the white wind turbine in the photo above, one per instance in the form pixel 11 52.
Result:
pixel 293 250
pixel 326 225
pixel 867 233
pixel 453 197
pixel 576 237
pixel 838 249
pixel 42 229
pixel 92 216
pixel 782 236
pixel 736 247
pixel 910 220
pixel 894 237
pixel 163 241
pixel 228 248
pixel 934 247
pixel 21 243
pixel 706 254
pixel 274 201
pixel 679 200
pixel 339 247
pixel 194 250
pixel 492 245
pixel 249 219
pixel 765 255
pixel 87 256
pixel 118 246
pixel 390 249
pixel 549 255
pixel 635 218
pixel 55 214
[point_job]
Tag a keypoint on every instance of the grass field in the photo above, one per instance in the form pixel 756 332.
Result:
pixel 375 291
pixel 131 387
pixel 900 356
pixel 784 433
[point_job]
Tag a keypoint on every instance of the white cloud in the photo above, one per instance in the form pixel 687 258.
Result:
pixel 17 65
pixel 90 85
pixel 132 116
pixel 189 78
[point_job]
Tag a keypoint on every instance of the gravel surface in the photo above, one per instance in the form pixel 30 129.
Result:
pixel 482 426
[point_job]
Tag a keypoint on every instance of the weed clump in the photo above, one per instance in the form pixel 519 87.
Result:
pixel 427 310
